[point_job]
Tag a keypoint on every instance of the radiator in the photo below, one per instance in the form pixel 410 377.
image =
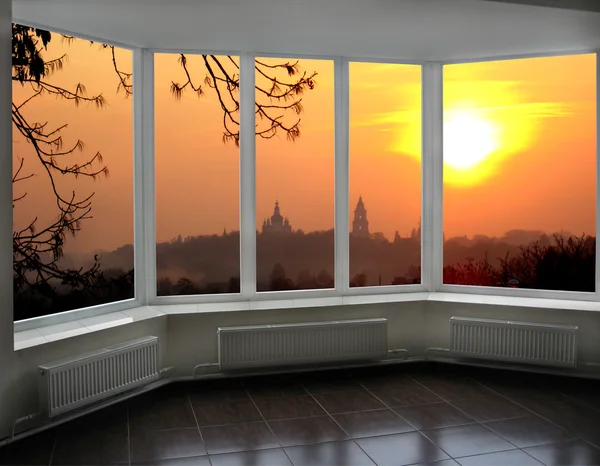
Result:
pixel 75 382
pixel 521 342
pixel 307 343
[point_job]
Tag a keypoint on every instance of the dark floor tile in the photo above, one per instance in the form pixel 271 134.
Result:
pixel 406 395
pixel 401 449
pixel 346 402
pixel 372 423
pixel 453 388
pixel 289 407
pixel 226 412
pixel 166 444
pixel 439 463
pixel 491 409
pixel 334 453
pixel 503 458
pixel 330 381
pixel 274 390
pixel 583 391
pixel 572 453
pixel 111 419
pixel 89 446
pixel 331 386
pixel 468 440
pixel 238 437
pixel 384 381
pixel 218 392
pixel 34 450
pixel 307 430
pixel 529 431
pixel 192 461
pixel 433 416
pixel 276 457
pixel 565 412
pixel 151 412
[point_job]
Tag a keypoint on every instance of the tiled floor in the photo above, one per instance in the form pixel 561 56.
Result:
pixel 397 415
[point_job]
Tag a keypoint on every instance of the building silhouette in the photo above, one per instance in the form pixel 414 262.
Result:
pixel 360 224
pixel 277 223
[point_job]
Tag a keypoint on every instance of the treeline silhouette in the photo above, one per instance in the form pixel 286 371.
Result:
pixel 566 263
pixel 210 264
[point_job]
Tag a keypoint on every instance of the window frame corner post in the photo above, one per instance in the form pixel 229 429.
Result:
pixel 342 175
pixel 432 177
pixel 247 189
pixel 597 265
pixel 144 177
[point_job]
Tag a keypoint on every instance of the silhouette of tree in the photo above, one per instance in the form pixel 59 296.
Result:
pixel 359 280
pixel 563 263
pixel 278 280
pixel 38 249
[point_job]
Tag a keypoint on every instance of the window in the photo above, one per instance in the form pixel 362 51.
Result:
pixel 385 174
pixel 294 174
pixel 72 173
pixel 520 173
pixel 197 174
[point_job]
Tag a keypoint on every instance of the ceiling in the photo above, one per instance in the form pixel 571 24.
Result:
pixel 395 29
pixel 584 5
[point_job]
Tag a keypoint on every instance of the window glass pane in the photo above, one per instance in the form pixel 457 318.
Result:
pixel 72 173
pixel 385 174
pixel 197 174
pixel 520 173
pixel 294 174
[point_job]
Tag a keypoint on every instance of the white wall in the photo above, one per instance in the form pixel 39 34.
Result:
pixel 193 337
pixel 438 314
pixel 21 375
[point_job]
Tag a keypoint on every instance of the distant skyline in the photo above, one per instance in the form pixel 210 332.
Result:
pixel 541 178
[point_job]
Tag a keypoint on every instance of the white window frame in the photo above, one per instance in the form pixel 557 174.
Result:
pixel 137 152
pixel 438 188
pixel 431 196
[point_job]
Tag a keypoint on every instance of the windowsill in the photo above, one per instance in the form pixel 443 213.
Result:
pixel 51 333
pixel 46 334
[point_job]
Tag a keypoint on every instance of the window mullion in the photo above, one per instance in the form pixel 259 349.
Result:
pixel 597 174
pixel 247 177
pixel 342 173
pixel 144 186
pixel 432 202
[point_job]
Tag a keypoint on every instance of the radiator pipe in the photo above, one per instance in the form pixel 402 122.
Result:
pixel 207 366
pixel 397 351
pixel 20 420
pixel 437 350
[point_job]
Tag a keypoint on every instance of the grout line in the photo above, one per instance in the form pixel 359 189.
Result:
pixel 339 425
pixel 481 423
pixel 268 425
pixel 406 420
pixel 53 448
pixel 187 393
pixel 577 436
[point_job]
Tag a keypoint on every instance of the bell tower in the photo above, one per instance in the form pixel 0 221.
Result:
pixel 360 224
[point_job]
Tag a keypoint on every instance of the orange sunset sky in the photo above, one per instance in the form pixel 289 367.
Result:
pixel 520 149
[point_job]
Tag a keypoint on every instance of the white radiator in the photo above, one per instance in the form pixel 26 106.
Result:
pixel 306 343
pixel 521 342
pixel 75 382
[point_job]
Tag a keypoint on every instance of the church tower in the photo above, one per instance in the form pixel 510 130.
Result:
pixel 360 224
pixel 277 223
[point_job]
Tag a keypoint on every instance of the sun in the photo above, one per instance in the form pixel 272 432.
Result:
pixel 468 140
